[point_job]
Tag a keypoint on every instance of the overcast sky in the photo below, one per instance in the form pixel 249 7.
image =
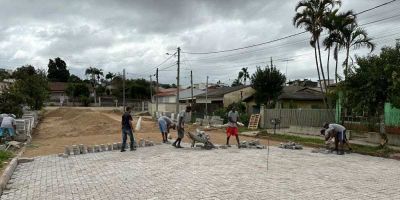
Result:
pixel 136 35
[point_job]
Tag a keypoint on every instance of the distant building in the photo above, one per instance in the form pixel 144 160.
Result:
pixel 303 83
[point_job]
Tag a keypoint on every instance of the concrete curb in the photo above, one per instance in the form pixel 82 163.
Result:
pixel 6 176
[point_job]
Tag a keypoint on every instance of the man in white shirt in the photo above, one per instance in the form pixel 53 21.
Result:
pixel 180 126
pixel 8 124
pixel 232 129
pixel 338 132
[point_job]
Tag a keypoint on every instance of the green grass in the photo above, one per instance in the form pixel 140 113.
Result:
pixel 5 156
pixel 319 143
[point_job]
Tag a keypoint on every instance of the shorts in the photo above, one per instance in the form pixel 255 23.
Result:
pixel 232 131
pixel 163 126
pixel 181 133
pixel 342 136
pixel 9 131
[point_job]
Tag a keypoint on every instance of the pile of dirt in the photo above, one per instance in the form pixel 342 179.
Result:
pixel 66 122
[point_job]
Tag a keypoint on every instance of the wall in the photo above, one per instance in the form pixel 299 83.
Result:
pixel 167 99
pixel 237 96
pixel 165 108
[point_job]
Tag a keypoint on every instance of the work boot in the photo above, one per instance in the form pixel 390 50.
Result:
pixel 174 144
pixel 179 146
pixel 133 149
pixel 123 150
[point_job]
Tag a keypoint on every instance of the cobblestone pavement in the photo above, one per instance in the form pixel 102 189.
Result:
pixel 163 172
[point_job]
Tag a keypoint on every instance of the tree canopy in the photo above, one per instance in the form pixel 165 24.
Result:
pixel 375 82
pixel 57 70
pixel 268 83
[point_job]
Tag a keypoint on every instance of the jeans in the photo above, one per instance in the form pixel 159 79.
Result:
pixel 126 132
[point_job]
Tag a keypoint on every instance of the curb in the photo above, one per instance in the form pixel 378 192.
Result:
pixel 6 176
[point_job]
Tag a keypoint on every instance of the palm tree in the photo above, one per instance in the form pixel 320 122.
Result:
pixel 335 22
pixel 244 74
pixel 354 37
pixel 310 15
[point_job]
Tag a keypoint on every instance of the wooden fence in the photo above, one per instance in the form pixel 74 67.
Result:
pixel 297 117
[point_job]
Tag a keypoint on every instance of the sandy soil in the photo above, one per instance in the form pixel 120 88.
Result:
pixel 68 126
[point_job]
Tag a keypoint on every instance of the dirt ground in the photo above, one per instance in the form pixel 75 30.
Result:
pixel 68 126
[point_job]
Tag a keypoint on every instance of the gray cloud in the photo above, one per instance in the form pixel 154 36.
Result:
pixel 136 35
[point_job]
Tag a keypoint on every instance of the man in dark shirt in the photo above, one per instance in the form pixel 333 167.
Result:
pixel 127 129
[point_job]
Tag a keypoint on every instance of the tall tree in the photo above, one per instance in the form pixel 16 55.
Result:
pixel 244 75
pixel 95 75
pixel 375 82
pixel 268 83
pixel 310 14
pixel 336 23
pixel 32 85
pixel 57 70
pixel 354 37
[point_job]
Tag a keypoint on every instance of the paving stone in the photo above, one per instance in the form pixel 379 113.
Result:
pixel 219 174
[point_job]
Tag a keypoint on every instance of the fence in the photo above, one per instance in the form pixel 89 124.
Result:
pixel 297 117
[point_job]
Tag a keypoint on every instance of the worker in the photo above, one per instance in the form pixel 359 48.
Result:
pixel 338 132
pixel 8 125
pixel 165 124
pixel 127 129
pixel 180 127
pixel 232 129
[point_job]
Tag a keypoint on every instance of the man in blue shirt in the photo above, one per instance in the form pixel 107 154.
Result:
pixel 127 129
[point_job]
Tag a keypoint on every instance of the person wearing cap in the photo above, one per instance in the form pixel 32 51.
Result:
pixel 338 132
pixel 165 124
pixel 8 124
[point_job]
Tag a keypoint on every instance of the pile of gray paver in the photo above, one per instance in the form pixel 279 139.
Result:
pixel 83 149
pixel 26 124
pixel 253 144
pixel 291 145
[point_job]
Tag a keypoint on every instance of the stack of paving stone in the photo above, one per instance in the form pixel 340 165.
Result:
pixel 82 149
pixel 253 144
pixel 290 145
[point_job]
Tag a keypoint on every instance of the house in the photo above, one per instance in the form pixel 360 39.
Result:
pixel 57 92
pixel 166 95
pixel 223 97
pixel 292 97
pixel 169 95
pixel 300 97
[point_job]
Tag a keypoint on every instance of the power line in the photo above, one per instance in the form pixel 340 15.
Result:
pixel 373 8
pixel 250 46
pixel 282 38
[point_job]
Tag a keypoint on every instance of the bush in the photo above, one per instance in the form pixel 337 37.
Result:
pixel 85 101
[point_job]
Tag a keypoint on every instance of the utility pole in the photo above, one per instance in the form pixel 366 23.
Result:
pixel 151 90
pixel 191 86
pixel 271 62
pixel 157 91
pixel 123 89
pixel 206 98
pixel 177 81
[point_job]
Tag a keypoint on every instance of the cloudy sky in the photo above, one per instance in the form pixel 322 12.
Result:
pixel 136 35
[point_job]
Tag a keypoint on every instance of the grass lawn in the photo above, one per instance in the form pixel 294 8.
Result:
pixel 5 156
